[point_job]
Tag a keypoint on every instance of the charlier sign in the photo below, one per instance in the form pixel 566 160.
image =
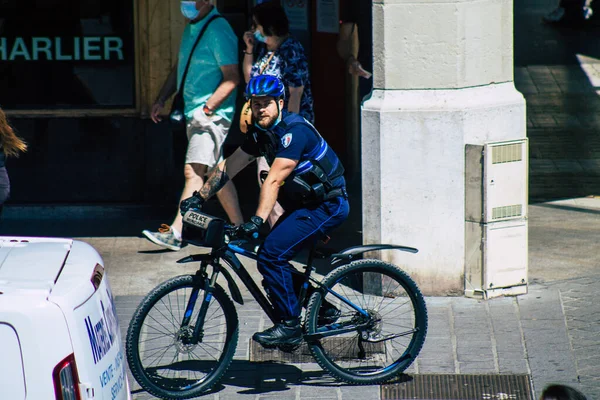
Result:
pixel 88 48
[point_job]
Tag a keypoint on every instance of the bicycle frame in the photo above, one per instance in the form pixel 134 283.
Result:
pixel 228 255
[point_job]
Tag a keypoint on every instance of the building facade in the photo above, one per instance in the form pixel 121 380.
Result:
pixel 79 78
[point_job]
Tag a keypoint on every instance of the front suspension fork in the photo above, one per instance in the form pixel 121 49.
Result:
pixel 202 282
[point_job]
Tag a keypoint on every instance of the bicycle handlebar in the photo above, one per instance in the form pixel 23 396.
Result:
pixel 233 232
pixel 198 219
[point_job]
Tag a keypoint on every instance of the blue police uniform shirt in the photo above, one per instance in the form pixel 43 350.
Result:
pixel 295 143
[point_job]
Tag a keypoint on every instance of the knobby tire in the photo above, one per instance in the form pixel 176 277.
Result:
pixel 399 307
pixel 159 340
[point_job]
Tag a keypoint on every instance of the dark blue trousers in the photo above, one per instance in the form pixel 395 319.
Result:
pixel 299 229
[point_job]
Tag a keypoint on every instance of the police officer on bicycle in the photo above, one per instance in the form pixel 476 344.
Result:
pixel 306 178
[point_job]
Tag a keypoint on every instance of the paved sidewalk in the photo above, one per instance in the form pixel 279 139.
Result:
pixel 551 333
pixel 558 71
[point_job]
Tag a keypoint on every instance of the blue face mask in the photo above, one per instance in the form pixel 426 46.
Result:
pixel 259 36
pixel 278 120
pixel 188 9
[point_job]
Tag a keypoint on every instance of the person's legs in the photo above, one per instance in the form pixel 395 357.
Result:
pixel 194 179
pixel 328 313
pixel 217 129
pixel 4 187
pixel 205 142
pixel 282 244
pixel 170 236
pixel 228 198
pixel 300 228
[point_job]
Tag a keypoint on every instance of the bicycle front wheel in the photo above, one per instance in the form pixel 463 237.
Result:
pixel 162 354
pixel 379 329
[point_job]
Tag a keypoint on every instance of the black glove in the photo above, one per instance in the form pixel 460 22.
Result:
pixel 250 229
pixel 191 203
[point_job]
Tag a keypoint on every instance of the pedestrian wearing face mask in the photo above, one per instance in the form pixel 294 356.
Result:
pixel 271 50
pixel 209 100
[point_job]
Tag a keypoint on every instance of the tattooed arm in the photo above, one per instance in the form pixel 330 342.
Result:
pixel 225 171
pixel 222 173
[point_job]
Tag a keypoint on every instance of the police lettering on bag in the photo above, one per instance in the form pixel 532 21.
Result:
pixel 197 219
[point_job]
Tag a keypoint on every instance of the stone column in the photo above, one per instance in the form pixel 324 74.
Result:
pixel 443 79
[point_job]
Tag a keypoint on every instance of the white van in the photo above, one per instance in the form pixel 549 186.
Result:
pixel 59 334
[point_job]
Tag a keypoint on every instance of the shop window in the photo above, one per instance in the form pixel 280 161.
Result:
pixel 67 54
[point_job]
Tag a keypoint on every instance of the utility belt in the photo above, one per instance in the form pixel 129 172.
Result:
pixel 321 194
pixel 337 192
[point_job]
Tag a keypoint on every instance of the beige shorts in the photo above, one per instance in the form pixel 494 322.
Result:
pixel 206 136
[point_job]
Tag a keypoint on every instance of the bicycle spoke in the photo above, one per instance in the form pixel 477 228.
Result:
pixel 161 356
pixel 167 330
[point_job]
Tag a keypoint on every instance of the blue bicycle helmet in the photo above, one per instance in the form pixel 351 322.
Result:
pixel 265 85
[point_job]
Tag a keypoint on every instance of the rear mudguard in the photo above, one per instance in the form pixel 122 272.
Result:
pixel 351 253
pixel 231 284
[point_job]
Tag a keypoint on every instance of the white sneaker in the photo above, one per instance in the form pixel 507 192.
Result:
pixel 164 237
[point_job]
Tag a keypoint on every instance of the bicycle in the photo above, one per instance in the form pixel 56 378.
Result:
pixel 183 335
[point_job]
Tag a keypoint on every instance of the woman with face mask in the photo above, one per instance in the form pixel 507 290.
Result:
pixel 207 74
pixel 271 50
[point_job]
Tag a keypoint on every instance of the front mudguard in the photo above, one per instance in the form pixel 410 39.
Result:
pixel 351 253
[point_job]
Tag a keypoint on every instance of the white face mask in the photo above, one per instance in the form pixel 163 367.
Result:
pixel 188 9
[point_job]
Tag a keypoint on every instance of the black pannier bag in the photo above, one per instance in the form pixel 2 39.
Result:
pixel 203 230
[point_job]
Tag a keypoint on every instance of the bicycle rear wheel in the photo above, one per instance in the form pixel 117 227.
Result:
pixel 378 344
pixel 160 355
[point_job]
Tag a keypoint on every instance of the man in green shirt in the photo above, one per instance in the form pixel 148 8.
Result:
pixel 209 93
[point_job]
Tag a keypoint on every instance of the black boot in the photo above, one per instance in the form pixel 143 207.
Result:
pixel 288 332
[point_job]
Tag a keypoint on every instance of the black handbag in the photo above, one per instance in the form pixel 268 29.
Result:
pixel 177 114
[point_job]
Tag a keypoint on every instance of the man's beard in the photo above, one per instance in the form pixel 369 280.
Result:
pixel 267 123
